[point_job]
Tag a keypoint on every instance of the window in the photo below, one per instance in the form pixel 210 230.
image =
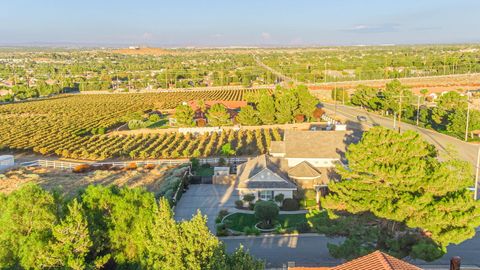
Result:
pixel 265 195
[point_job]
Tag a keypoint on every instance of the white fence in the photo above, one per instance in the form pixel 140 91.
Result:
pixel 71 165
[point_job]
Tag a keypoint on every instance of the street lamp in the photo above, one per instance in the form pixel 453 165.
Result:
pixel 468 119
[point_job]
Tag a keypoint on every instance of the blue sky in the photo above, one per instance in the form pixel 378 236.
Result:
pixel 238 23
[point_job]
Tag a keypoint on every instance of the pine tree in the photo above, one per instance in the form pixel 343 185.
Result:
pixel 398 177
pixel 248 116
pixel 218 115
pixel 307 103
pixel 71 240
pixel 266 109
pixel 286 105
pixel 184 115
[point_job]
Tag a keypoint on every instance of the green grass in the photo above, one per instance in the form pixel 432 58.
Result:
pixel 204 171
pixel 309 201
pixel 239 221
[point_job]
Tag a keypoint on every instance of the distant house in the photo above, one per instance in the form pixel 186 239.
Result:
pixel 303 160
pixel 233 107
pixel 374 261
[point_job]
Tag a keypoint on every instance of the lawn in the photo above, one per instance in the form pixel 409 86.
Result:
pixel 309 201
pixel 202 171
pixel 239 221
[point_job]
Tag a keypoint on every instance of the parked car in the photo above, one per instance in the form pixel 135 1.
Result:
pixel 362 118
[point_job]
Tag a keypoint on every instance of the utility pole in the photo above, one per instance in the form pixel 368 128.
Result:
pixel 468 120
pixel 394 120
pixel 477 173
pixel 335 98
pixel 418 109
pixel 325 72
pixel 400 111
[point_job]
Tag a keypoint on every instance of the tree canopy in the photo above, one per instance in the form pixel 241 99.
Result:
pixel 218 115
pixel 397 177
pixel 112 227
pixel 184 115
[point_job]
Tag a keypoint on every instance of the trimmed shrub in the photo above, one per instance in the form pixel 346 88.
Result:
pixel 267 212
pixel 279 198
pixel 239 203
pixel 290 205
pixel 251 206
pixel 222 230
pixel 249 197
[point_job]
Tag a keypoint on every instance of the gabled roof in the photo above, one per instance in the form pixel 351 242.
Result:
pixel 314 144
pixel 374 261
pixel 229 104
pixel 267 166
pixel 304 170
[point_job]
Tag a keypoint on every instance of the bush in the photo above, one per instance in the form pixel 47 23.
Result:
pixel 249 197
pixel 222 230
pixel 131 166
pixel 195 163
pixel 266 211
pixel 426 251
pixel 290 205
pixel 303 227
pixel 223 213
pixel 239 203
pixel 83 168
pixel 279 198
pixel 154 118
pixel 251 206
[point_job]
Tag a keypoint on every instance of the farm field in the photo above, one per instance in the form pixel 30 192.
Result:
pixel 67 126
pixel 157 180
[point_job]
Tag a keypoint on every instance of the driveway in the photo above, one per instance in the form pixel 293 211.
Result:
pixel 209 199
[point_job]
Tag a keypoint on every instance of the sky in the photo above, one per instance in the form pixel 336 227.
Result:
pixel 212 23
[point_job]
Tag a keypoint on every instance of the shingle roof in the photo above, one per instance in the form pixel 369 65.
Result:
pixel 314 144
pixel 277 147
pixel 304 170
pixel 374 261
pixel 254 166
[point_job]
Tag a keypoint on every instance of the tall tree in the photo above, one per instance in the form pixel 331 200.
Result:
pixel 307 103
pixel 218 115
pixel 266 108
pixel 398 177
pixel 184 115
pixel 26 220
pixel 286 105
pixel 71 240
pixel 457 122
pixel 248 116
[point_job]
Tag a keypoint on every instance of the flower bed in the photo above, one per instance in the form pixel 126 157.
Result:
pixel 240 221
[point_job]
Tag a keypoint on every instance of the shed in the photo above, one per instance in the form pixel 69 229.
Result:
pixel 6 161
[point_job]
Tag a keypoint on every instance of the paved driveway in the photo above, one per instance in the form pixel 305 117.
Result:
pixel 207 198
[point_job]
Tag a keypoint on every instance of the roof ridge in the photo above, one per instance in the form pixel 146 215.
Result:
pixel 383 259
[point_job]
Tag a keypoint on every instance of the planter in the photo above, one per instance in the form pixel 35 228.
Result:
pixel 265 230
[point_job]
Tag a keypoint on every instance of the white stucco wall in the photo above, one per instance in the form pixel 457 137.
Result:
pixel 6 161
pixel 316 162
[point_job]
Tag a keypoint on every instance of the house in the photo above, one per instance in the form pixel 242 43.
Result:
pixel 232 106
pixel 321 149
pixel 304 159
pixel 374 261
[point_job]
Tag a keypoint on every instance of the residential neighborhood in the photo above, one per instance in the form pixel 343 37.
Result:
pixel 228 135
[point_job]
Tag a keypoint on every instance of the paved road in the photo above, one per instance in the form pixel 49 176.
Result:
pixel 311 250
pixel 466 151
pixel 209 199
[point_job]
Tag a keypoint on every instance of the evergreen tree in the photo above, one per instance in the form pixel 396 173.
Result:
pixel 457 122
pixel 266 109
pixel 218 115
pixel 71 240
pixel 286 105
pixel 248 116
pixel 198 243
pixel 398 177
pixel 26 220
pixel 307 103
pixel 184 115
